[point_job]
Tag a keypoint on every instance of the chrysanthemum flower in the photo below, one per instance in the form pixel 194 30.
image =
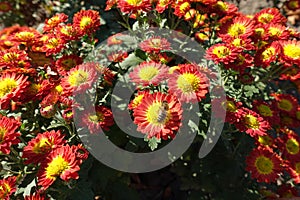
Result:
pixel 162 5
pixel 79 78
pixel 267 111
pixel 117 56
pixel 39 147
pixel 134 6
pixel 26 37
pixel 5 6
pixel 243 61
pixel 223 8
pixel 67 32
pixel 66 63
pixel 155 44
pixel 264 165
pixel 80 152
pixel 8 133
pixel 181 8
pixel 61 162
pixel 149 73
pixel 276 32
pixel 110 4
pixel 293 168
pixel 12 87
pixel 265 140
pixel 237 27
pixel 289 145
pixel 36 196
pixel 53 45
pixel 291 74
pixel 54 21
pixel 222 53
pixel 290 52
pixel 7 187
pixel 292 4
pixel 97 120
pixel 158 115
pixel 252 123
pixel 188 83
pixel 113 40
pixel 13 58
pixel 242 43
pixel 137 99
pixel 232 108
pixel 106 74
pixel 270 15
pixel 268 54
pixel 287 191
pixel 286 103
pixel 86 21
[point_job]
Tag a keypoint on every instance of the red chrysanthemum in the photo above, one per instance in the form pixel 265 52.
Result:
pixel 97 120
pixel 223 8
pixel 267 111
pixel 66 63
pixel 80 78
pixel 270 15
pixel 286 103
pixel 61 162
pixel 86 21
pixel 155 44
pixel 292 4
pixel 36 196
pixel 8 133
pixel 265 140
pixel 237 27
pixel 188 83
pixel 135 102
pixel 243 61
pixel 181 8
pixel 39 147
pixel 290 52
pixel 264 165
pixel 67 32
pixel 80 152
pixel 7 187
pixel 275 32
pixel 289 145
pixel 252 123
pixel 162 5
pixel 12 87
pixel 149 73
pixel 134 6
pixel 13 58
pixel 293 168
pixel 222 53
pixel 28 37
pixel 117 56
pixel 268 54
pixel 54 21
pixel 113 40
pixel 5 6
pixel 53 45
pixel 287 191
pixel 158 115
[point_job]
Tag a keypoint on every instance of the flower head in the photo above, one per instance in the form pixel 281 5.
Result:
pixel 61 162
pixel 39 147
pixel 222 53
pixel 53 22
pixel 7 187
pixel 269 15
pixel 188 83
pixel 158 115
pixel 86 21
pixel 66 63
pixel 36 196
pixel 290 52
pixel 155 44
pixel 8 133
pixel 134 6
pixel 264 165
pixel 149 73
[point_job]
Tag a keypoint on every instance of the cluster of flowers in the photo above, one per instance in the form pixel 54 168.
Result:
pixel 39 74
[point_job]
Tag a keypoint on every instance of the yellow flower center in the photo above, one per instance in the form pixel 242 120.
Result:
pixel 221 5
pixel 297 167
pixel 43 146
pixel 78 77
pixel 184 7
pixel 157 114
pixel 137 100
pixel 56 167
pixel 98 117
pixel 236 29
pixel 4 6
pixel 188 82
pixel 53 21
pixel 147 73
pixel 59 89
pixel 264 165
pixel 25 35
pixel 285 104
pixel 52 43
pixel 251 122
pixel 134 2
pixel 238 42
pixel 10 57
pixel 265 110
pixel 292 146
pixel 7 85
pixel 221 51
pixel 265 140
pixel 293 4
pixel 265 18
pixel 155 43
pixel 85 21
pixel 230 106
pixel 292 51
pixel 268 53
pixel 2 133
pixel 275 31
pixel 67 30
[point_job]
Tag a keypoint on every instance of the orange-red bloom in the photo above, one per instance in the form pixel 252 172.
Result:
pixel 188 83
pixel 290 52
pixel 264 165
pixel 149 73
pixel 289 145
pixel 270 15
pixel 222 53
pixel 268 54
pixel 7 187
pixel 286 103
pixel 39 147
pixel 155 44
pixel 66 63
pixel 86 21
pixel 13 58
pixel 61 162
pixel 158 115
pixel 36 196
pixel 134 6
pixel 8 133
pixel 53 22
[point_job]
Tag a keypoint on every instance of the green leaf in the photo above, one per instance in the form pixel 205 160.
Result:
pixel 152 142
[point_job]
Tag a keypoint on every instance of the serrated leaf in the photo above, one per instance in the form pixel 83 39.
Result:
pixel 152 142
